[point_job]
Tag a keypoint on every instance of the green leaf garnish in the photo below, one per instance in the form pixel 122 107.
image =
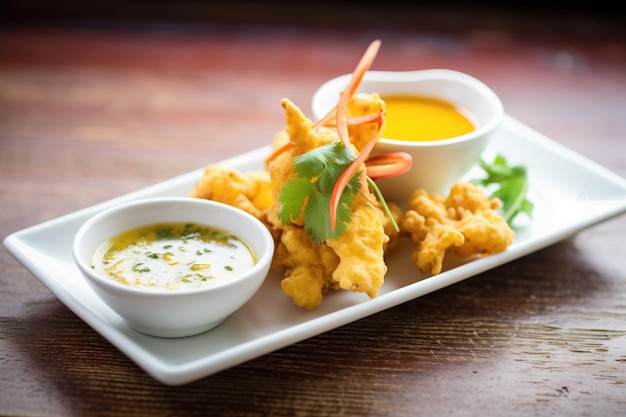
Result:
pixel 317 172
pixel 512 186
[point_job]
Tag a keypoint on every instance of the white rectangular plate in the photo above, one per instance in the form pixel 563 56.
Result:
pixel 569 191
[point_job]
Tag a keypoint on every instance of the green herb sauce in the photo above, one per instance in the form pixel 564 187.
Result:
pixel 173 256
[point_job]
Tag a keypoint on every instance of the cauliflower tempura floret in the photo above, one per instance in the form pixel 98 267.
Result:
pixel 249 192
pixel 361 250
pixel 302 134
pixel 464 223
pixel 359 105
pixel 354 261
pixel 308 267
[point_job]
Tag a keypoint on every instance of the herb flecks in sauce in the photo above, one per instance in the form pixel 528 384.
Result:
pixel 173 256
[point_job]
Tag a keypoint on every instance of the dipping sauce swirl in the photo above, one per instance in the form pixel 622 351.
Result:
pixel 173 256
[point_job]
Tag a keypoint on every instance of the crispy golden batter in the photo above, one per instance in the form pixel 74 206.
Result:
pixel 361 104
pixel 388 227
pixel 464 223
pixel 308 267
pixel 354 261
pixel 302 134
pixel 249 192
pixel 361 251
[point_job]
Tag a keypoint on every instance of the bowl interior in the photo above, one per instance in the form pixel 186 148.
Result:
pixel 114 221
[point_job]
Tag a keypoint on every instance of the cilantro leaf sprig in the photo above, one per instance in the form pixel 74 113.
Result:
pixel 511 186
pixel 309 193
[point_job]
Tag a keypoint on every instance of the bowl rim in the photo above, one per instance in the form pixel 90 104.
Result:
pixel 262 261
pixel 398 77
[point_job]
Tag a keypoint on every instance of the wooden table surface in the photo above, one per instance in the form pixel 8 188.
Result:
pixel 91 110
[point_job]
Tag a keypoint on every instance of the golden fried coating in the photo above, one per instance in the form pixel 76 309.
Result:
pixel 484 234
pixel 280 170
pixel 354 261
pixel 433 239
pixel 308 267
pixel 388 227
pixel 249 192
pixel 464 223
pixel 361 104
pixel 302 134
pixel 361 250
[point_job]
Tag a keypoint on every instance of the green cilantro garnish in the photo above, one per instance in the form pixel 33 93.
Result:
pixel 140 268
pixel 317 172
pixel 512 186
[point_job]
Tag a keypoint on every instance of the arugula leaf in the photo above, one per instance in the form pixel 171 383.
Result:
pixel 512 186
pixel 310 192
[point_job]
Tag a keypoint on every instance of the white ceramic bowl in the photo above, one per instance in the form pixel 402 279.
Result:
pixel 183 312
pixel 436 164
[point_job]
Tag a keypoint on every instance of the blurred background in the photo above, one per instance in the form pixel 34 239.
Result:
pixel 156 70
pixel 571 18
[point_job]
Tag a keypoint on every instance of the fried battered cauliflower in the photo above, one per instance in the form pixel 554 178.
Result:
pixel 308 267
pixel 361 251
pixel 360 104
pixel 464 223
pixel 247 191
pixel 355 260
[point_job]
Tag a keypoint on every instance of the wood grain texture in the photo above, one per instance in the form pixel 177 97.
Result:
pixel 90 112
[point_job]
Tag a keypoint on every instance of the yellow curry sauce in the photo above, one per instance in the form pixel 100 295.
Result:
pixel 420 118
pixel 173 256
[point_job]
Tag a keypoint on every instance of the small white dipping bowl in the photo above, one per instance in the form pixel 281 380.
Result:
pixel 182 312
pixel 437 164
